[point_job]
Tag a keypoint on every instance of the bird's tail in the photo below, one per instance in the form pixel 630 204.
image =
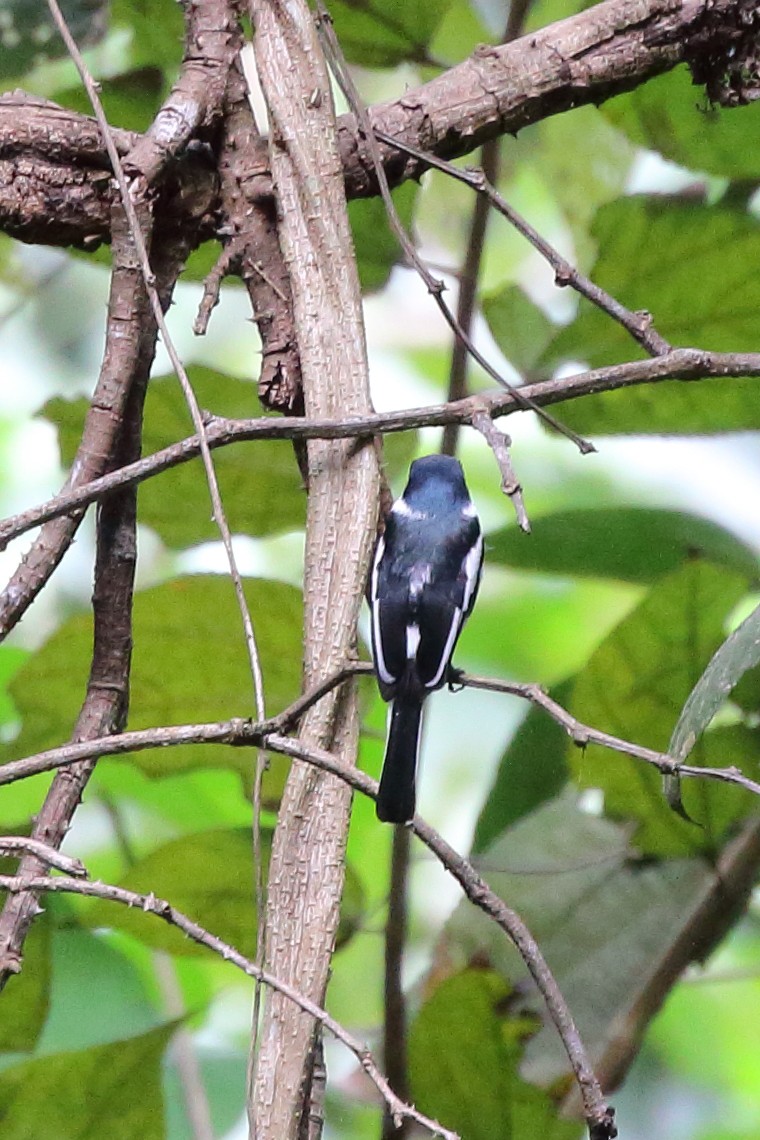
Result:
pixel 396 798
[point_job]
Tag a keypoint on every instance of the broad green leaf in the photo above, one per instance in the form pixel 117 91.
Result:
pixel 259 482
pixel 740 652
pixel 114 1002
pixel 130 99
pixel 12 658
pixel 460 31
pixel 634 544
pixel 690 265
pixel 384 33
pixel 606 922
pixel 89 1094
pixel 156 31
pixel 376 246
pixel 208 876
pixel 635 685
pixel 464 1051
pixel 189 664
pixel 29 36
pixel 26 997
pixel 532 770
pixel 519 327
pixel 669 114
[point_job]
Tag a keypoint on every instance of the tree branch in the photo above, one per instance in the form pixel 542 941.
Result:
pixel 681 364
pixel 604 50
pixel 160 908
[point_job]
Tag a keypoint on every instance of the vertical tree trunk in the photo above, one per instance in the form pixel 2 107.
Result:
pixel 307 865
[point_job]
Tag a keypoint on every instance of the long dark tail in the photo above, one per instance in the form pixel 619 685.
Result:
pixel 396 799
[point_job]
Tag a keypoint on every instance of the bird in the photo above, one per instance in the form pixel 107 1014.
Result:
pixel 425 577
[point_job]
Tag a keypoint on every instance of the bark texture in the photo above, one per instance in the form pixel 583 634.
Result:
pixel 307 864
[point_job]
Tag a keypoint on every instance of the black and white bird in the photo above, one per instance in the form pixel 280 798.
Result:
pixel 425 579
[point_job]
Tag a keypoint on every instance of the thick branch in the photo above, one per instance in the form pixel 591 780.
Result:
pixel 51 161
pixel 307 863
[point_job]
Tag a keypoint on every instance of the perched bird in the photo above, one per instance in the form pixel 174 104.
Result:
pixel 425 578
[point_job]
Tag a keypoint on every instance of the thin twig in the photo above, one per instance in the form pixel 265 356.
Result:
pixel 638 324
pixel 500 445
pixel 434 285
pixel 21 845
pixel 162 909
pixel 239 731
pixel 681 364
pixel 148 277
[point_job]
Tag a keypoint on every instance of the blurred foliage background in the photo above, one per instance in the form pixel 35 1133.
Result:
pixel 643 559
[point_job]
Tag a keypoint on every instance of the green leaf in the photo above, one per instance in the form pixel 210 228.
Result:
pixel 633 544
pixel 740 652
pixel 115 1001
pixel 377 247
pixel 635 685
pixel 692 266
pixel 606 922
pixel 532 770
pixel 208 876
pixel 26 997
pixel 668 114
pixel 259 482
pixel 156 31
pixel 519 327
pixel 463 1056
pixel 384 33
pixel 190 664
pixel 89 1094
pixel 130 99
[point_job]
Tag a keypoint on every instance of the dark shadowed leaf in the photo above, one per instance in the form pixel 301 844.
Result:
pixel 606 922
pixel 28 35
pixel 532 770
pixel 635 685
pixel 259 482
pixel 464 1051
pixel 519 327
pixel 669 114
pixel 740 652
pixel 26 996
pixel 376 246
pixel 383 33
pixel 634 544
pixel 652 254
pixel 89 1094
pixel 189 665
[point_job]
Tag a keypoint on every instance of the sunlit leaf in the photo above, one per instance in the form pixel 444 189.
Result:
pixel 208 876
pixel 259 482
pixel 189 665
